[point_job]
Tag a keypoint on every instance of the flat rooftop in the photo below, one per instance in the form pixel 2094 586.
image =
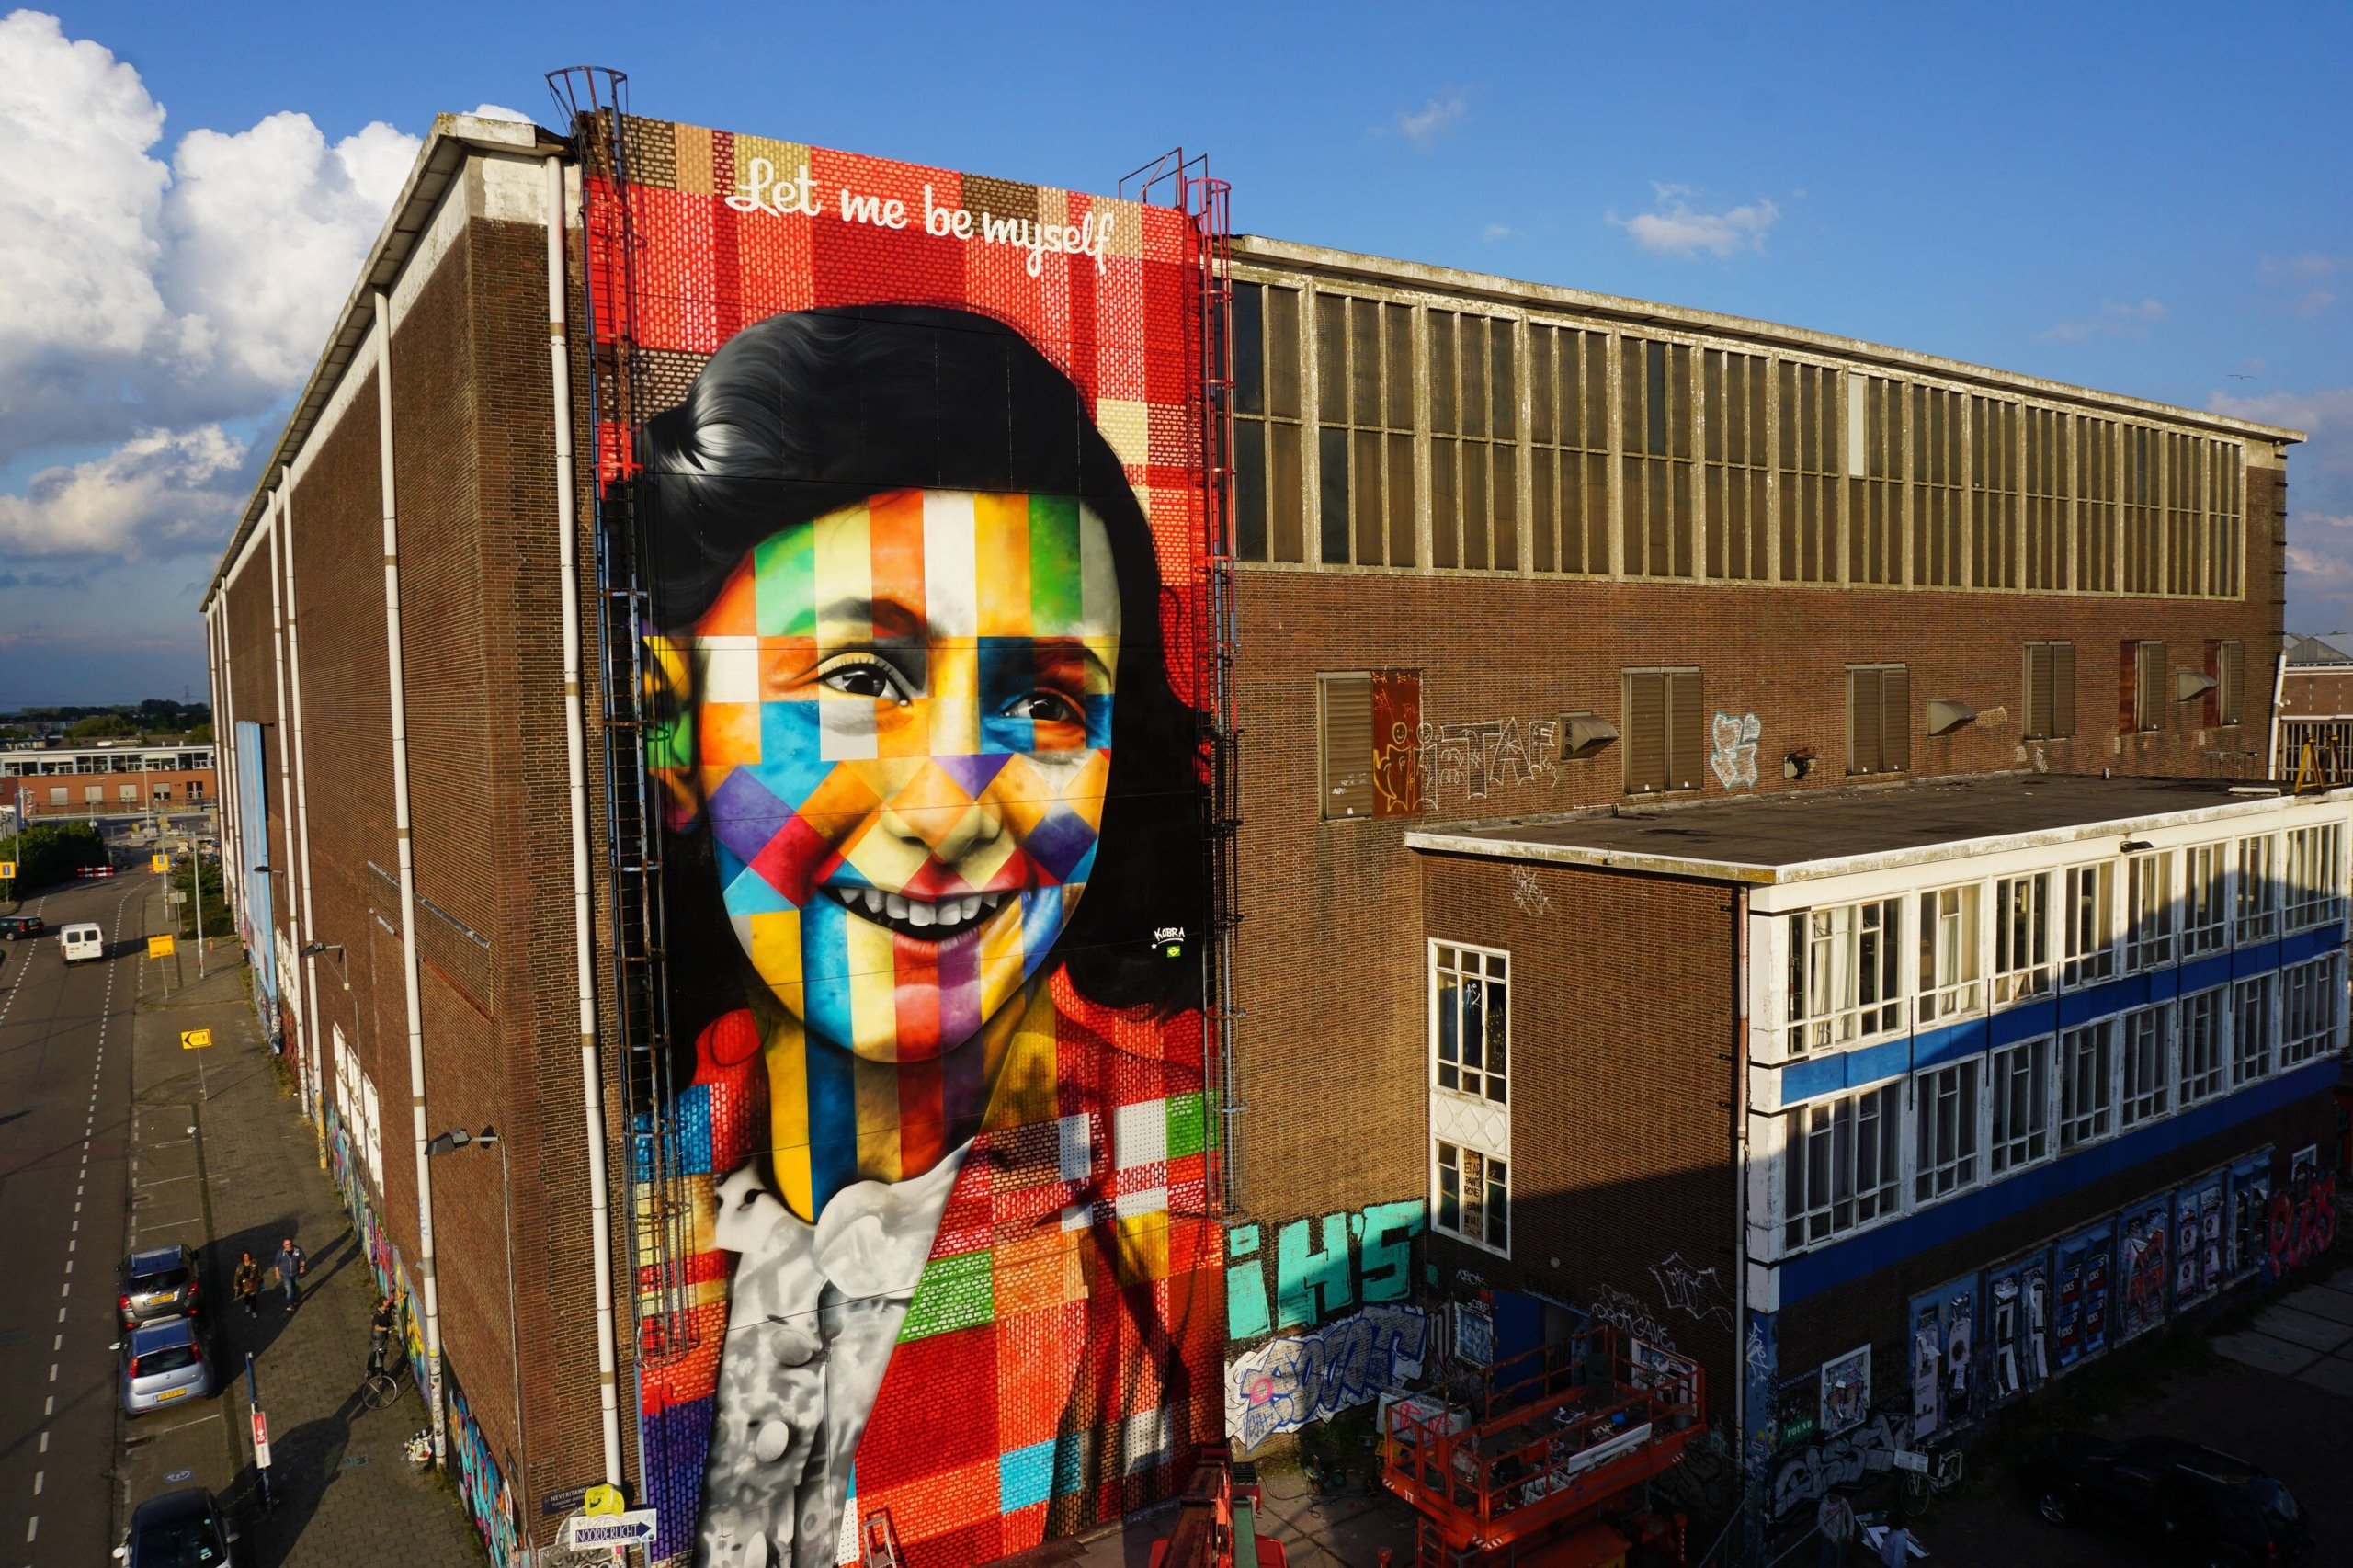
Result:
pixel 1817 833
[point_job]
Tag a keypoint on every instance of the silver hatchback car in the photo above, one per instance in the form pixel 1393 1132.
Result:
pixel 164 1364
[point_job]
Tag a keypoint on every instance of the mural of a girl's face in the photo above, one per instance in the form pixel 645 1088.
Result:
pixel 899 733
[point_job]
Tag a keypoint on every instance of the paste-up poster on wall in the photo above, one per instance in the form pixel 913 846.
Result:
pixel 2016 1350
pixel 2197 1241
pixel 2144 1254
pixel 2250 1202
pixel 1944 1356
pixel 1846 1390
pixel 2080 1270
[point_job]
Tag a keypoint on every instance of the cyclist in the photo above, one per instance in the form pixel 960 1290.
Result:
pixel 379 1334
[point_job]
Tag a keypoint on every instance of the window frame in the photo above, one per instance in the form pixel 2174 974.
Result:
pixel 1679 747
pixel 1878 686
pixel 2254 1042
pixel 2311 1001
pixel 2307 900
pixel 2255 888
pixel 2008 1149
pixel 1883 1105
pixel 1492 1174
pixel 2087 1062
pixel 1958 1108
pixel 1326 682
pixel 2202 1047
pixel 2014 981
pixel 2205 902
pixel 2149 937
pixel 1494 970
pixel 1846 1016
pixel 2057 721
pixel 2144 1065
pixel 2082 961
pixel 1942 996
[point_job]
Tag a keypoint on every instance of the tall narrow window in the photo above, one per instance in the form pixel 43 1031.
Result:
pixel 2050 690
pixel 1845 979
pixel 2184 457
pixel 2226 661
pixel 2150 910
pixel 2313 880
pixel 1665 749
pixel 1946 1115
pixel 1471 1020
pixel 1364 364
pixel 2086 1083
pixel 1474 443
pixel 2148 1069
pixel 2021 1102
pixel 2141 682
pixel 2097 519
pixel 1474 1197
pixel 1839 1163
pixel 1368 727
pixel 1949 978
pixel 2021 937
pixel 2312 996
pixel 1809 464
pixel 2252 1027
pixel 1568 375
pixel 1655 395
pixel 2226 535
pixel 1268 507
pixel 1345 702
pixel 2139 477
pixel 2258 898
pixel 1737 458
pixel 1936 487
pixel 1993 491
pixel 2047 450
pixel 2200 1018
pixel 1879 718
pixel 1875 489
pixel 2091 923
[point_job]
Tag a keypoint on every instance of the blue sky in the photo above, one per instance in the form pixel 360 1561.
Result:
pixel 2153 200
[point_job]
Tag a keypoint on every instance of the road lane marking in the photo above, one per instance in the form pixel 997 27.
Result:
pixel 39 1476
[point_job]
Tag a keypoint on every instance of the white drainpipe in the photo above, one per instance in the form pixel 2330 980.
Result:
pixel 592 1081
pixel 304 1046
pixel 309 932
pixel 2278 765
pixel 399 696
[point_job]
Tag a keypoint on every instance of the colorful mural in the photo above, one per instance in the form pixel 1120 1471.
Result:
pixel 488 1498
pixel 920 488
pixel 2143 1250
pixel 1321 1267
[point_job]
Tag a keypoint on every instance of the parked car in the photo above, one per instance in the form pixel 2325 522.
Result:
pixel 81 941
pixel 2201 1506
pixel 164 1364
pixel 16 928
pixel 179 1530
pixel 155 1283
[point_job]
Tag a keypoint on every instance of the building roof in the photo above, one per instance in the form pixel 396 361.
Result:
pixel 1512 292
pixel 1802 836
pixel 2304 653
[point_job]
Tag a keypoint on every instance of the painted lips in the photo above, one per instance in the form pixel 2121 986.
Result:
pixel 917 919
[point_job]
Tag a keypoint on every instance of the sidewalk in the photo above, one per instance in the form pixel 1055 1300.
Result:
pixel 343 1493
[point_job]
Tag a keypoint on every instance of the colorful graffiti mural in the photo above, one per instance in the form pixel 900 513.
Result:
pixel 922 496
pixel 1843 1461
pixel 1323 1266
pixel 1287 1382
pixel 2144 1248
pixel 2302 1222
pixel 497 1513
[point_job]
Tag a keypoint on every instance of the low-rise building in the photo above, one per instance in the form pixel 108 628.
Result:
pixel 108 778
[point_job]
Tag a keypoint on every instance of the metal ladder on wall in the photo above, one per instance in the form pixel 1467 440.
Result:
pixel 879 1543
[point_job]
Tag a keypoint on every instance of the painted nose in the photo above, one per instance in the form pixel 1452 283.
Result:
pixel 935 813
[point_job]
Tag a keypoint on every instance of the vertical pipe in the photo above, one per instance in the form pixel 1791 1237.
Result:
pixel 1740 1158
pixel 575 768
pixel 2278 765
pixel 279 516
pixel 310 929
pixel 398 691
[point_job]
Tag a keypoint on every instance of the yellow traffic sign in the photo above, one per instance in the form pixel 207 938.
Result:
pixel 160 863
pixel 7 871
pixel 159 947
pixel 603 1501
pixel 195 1040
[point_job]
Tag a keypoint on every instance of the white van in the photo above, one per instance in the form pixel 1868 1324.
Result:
pixel 80 941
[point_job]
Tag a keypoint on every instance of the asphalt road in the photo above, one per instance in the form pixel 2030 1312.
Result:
pixel 65 1038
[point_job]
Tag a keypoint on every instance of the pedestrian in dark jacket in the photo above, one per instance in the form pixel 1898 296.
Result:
pixel 246 1283
pixel 291 1266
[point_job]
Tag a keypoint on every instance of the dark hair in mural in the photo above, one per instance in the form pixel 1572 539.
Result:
pixel 799 415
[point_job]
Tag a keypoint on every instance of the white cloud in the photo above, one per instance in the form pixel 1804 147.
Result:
pixel 2305 280
pixel 157 492
pixel 1674 227
pixel 1424 125
pixel 146 303
pixel 1494 232
pixel 499 111
pixel 2116 319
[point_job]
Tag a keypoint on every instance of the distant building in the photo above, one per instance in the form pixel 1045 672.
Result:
pixel 107 779
pixel 2315 743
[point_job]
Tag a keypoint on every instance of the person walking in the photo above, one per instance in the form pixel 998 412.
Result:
pixel 246 1282
pixel 291 1266
pixel 1834 1516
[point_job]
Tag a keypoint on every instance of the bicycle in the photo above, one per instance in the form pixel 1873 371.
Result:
pixel 382 1386
pixel 1940 1476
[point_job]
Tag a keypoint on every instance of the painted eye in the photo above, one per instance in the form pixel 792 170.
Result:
pixel 865 677
pixel 1046 707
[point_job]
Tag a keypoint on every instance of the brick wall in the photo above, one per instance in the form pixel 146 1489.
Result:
pixel 2323 693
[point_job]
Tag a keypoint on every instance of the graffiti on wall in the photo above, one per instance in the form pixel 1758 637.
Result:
pixel 2197 1241
pixel 2303 1220
pixel 1527 891
pixel 1398 786
pixel 483 1486
pixel 1481 755
pixel 1843 1461
pixel 2017 1354
pixel 1731 751
pixel 1694 1291
pixel 2082 1269
pixel 1286 1383
pixel 922 523
pixel 1630 1315
pixel 1323 1266
pixel 2143 1250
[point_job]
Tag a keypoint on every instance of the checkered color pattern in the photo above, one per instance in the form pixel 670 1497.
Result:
pixel 1060 1357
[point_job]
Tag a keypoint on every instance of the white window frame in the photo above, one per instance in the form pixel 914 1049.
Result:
pixel 1490 1081
pixel 2205 898
pixel 2087 945
pixel 2202 1030
pixel 2314 876
pixel 2255 902
pixel 2021 938
pixel 2019 1094
pixel 1846 978
pixel 2087 1072
pixel 2311 998
pixel 2144 1065
pixel 1849 1138
pixel 2255 1028
pixel 1948 1130
pixel 1951 922
pixel 2148 911
pixel 1492 1176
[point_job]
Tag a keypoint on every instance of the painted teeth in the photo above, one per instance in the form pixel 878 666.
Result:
pixel 946 914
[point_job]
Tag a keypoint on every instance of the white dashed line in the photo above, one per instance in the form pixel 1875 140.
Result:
pixel 39 1476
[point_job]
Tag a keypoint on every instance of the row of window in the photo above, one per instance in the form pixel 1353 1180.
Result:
pixel 35 765
pixel 96 794
pixel 1987 1117
pixel 2011 939
pixel 1371 742
pixel 1633 455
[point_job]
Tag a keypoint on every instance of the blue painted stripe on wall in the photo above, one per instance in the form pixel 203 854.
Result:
pixel 1803 1080
pixel 1815 1272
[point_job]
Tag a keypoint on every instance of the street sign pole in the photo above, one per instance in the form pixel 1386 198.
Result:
pixel 261 1429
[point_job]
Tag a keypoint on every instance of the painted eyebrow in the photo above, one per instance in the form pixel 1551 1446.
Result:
pixel 892 620
pixel 1053 652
